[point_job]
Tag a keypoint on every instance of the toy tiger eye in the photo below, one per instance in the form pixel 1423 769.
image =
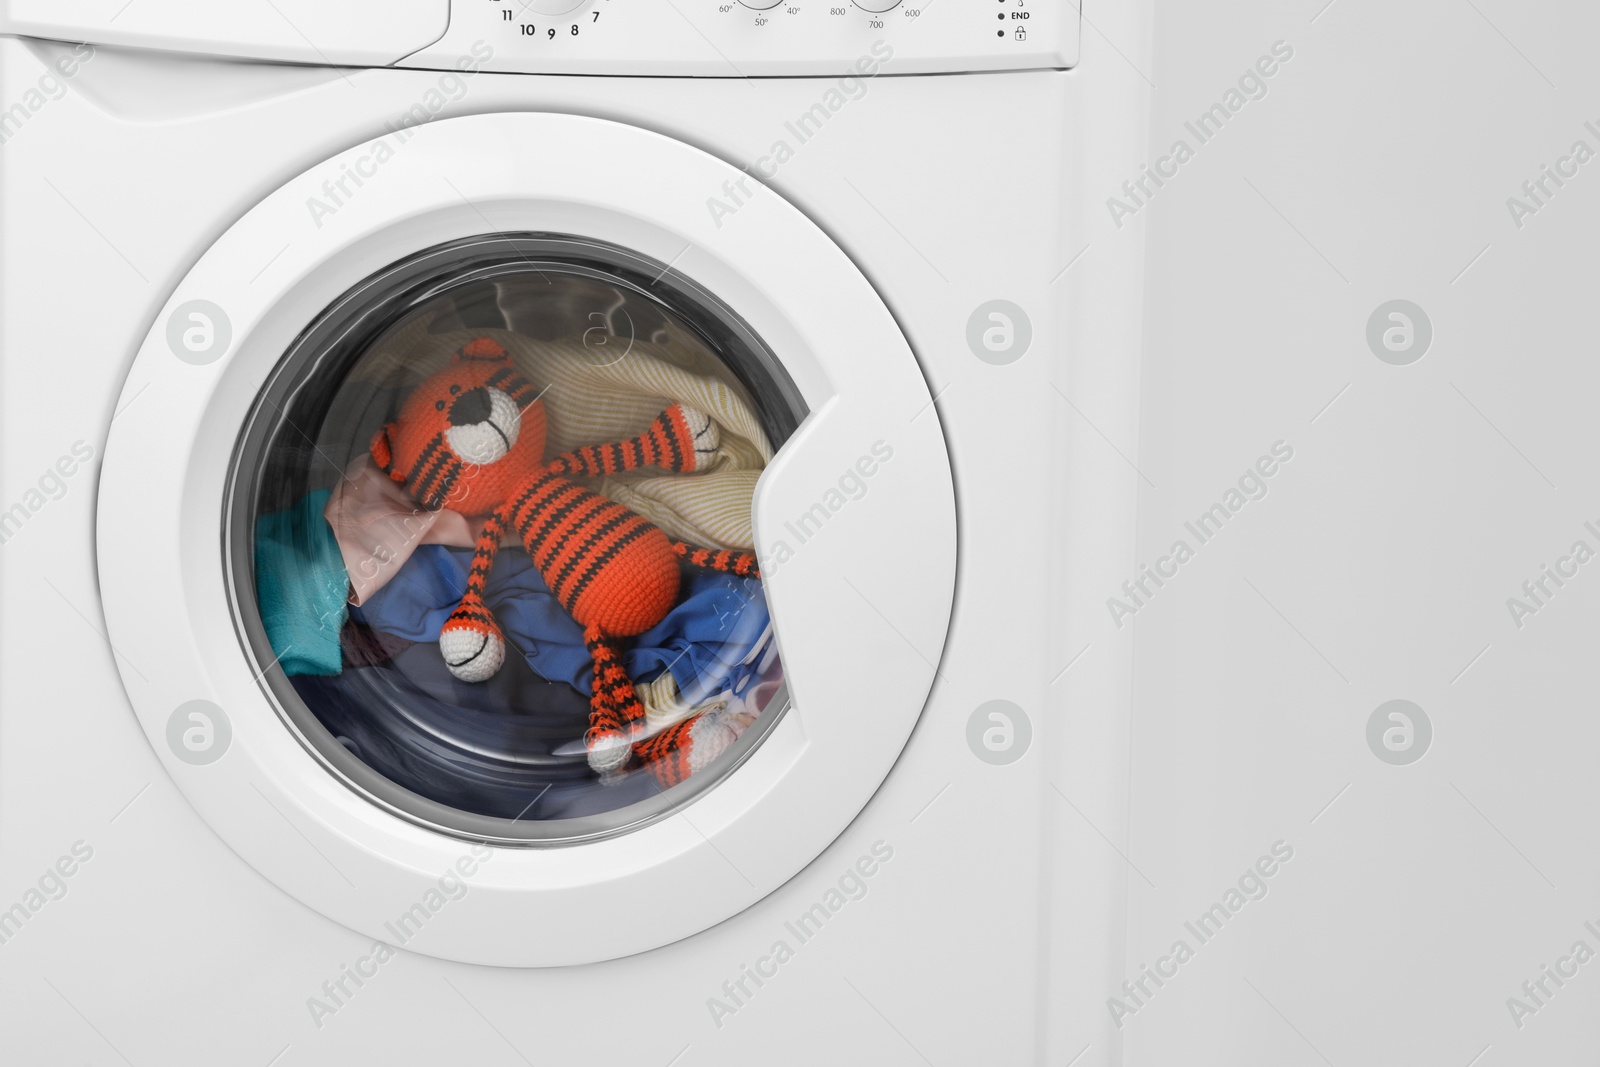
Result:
pixel 472 436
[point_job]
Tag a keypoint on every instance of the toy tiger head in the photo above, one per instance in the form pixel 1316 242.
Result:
pixel 467 434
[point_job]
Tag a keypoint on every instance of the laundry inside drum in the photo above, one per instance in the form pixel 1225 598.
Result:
pixel 493 541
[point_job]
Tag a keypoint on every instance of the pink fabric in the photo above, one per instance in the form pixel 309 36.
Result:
pixel 378 527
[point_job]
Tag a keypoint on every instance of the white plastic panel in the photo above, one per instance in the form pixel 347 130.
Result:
pixel 728 38
pixel 347 32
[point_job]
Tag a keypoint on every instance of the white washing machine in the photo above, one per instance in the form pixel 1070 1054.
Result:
pixel 274 786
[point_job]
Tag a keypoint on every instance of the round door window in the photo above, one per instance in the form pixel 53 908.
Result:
pixel 489 538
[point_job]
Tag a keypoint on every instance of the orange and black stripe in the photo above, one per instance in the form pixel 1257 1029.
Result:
pixel 743 564
pixel 571 533
pixel 615 709
pixel 472 608
pixel 667 444
pixel 481 350
pixel 514 385
pixel 483 556
pixel 668 754
pixel 434 474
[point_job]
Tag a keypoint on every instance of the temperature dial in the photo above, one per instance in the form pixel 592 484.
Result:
pixel 761 5
pixel 877 7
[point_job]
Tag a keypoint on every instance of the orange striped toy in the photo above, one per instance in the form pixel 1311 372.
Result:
pixel 471 437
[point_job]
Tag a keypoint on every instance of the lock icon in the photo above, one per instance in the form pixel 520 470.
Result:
pixel 1022 33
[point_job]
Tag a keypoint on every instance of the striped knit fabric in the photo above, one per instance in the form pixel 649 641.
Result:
pixel 607 566
pixel 670 754
pixel 482 563
pixel 618 717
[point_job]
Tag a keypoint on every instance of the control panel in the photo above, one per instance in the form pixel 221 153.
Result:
pixel 752 38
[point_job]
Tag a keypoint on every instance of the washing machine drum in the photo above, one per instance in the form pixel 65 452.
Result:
pixel 527 531
pixel 453 494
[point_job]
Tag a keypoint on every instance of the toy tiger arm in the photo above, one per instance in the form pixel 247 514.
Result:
pixel 471 641
pixel 682 439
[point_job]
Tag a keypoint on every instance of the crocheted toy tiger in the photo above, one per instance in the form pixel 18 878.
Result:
pixel 472 436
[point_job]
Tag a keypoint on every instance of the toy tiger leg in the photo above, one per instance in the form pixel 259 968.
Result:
pixel 617 723
pixel 471 642
pixel 681 439
pixel 615 714
pixel 686 748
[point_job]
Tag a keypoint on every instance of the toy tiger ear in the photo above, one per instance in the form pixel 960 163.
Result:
pixel 481 350
pixel 383 453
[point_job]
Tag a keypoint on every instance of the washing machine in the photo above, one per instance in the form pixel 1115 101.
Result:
pixel 305 753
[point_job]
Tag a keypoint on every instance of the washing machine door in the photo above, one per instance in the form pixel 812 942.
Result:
pixel 265 660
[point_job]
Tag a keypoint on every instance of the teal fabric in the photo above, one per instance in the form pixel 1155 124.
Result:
pixel 302 587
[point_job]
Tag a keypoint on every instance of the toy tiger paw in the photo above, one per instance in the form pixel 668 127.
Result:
pixel 471 642
pixel 703 432
pixel 472 437
pixel 686 748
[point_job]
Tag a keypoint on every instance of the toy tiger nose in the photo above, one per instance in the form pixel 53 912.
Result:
pixel 471 437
